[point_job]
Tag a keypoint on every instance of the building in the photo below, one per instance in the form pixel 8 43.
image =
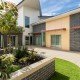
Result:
pixel 63 31
pixel 59 32
pixel 28 10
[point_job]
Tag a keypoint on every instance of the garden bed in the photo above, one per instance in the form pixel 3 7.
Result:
pixel 38 58
pixel 40 70
pixel 17 59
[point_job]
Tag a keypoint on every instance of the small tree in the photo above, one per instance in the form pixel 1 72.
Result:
pixel 8 20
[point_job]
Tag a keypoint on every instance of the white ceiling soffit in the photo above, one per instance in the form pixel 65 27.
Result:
pixel 30 3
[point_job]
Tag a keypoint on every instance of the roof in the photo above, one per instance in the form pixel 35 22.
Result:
pixel 58 16
pixel 74 11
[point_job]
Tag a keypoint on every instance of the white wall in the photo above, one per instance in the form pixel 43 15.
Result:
pixel 21 16
pixel 33 14
pixel 29 12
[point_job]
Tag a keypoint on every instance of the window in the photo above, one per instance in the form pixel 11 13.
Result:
pixel 56 40
pixel 27 22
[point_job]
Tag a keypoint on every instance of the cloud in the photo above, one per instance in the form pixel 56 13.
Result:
pixel 49 14
pixel 58 6
pixel 79 4
pixel 52 8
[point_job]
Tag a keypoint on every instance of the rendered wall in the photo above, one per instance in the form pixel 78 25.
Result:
pixel 65 34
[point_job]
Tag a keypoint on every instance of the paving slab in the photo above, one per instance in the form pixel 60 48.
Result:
pixel 73 57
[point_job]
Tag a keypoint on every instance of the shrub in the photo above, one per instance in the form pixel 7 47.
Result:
pixel 23 60
pixel 32 55
pixel 20 53
pixel 6 61
pixel 14 68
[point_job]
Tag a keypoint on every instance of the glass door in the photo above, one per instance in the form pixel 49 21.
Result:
pixel 38 40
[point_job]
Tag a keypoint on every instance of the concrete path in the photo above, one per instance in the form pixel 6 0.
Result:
pixel 69 56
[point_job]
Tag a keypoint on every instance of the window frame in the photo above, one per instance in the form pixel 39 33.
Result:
pixel 28 24
pixel 57 40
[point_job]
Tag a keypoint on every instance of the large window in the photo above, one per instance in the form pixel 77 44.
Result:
pixel 27 21
pixel 56 40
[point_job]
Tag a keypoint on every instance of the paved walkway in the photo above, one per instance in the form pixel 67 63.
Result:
pixel 69 56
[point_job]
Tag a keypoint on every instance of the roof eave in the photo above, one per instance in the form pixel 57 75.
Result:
pixel 63 15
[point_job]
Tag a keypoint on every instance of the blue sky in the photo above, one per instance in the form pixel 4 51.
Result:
pixel 55 7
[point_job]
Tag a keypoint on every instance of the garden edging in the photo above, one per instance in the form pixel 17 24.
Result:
pixel 36 70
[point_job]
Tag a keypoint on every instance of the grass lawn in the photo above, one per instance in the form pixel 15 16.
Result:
pixel 65 71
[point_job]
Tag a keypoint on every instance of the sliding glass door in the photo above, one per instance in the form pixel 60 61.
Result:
pixel 39 40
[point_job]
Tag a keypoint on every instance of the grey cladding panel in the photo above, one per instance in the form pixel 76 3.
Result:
pixel 39 27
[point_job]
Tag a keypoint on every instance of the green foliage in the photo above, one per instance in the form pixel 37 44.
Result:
pixel 21 57
pixel 6 61
pixel 14 68
pixel 32 55
pixel 24 60
pixel 8 20
pixel 20 53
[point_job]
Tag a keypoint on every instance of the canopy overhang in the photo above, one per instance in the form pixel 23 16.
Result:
pixel 30 3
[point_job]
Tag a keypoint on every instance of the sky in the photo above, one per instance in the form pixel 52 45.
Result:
pixel 55 7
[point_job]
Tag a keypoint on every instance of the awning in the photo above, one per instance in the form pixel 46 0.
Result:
pixel 37 33
pixel 54 30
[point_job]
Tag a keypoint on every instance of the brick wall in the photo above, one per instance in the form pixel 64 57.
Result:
pixel 75 33
pixel 41 70
pixel 43 73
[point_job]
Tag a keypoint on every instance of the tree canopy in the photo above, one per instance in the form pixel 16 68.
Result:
pixel 8 19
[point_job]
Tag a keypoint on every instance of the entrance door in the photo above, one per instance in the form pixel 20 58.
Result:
pixel 38 40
